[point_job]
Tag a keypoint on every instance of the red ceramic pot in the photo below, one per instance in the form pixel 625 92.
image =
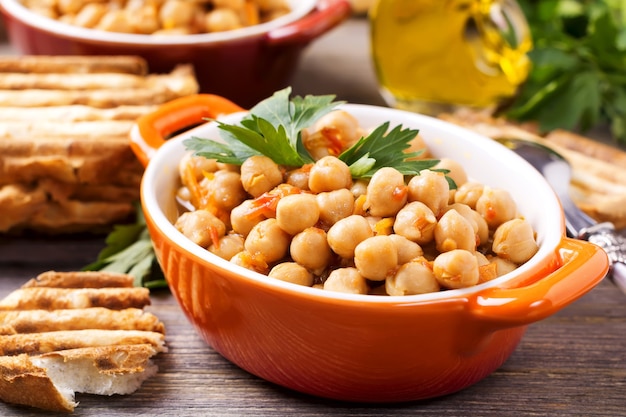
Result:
pixel 245 65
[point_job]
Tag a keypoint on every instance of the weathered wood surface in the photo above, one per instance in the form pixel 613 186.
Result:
pixel 571 364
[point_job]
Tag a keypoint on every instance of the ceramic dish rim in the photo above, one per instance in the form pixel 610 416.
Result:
pixel 17 10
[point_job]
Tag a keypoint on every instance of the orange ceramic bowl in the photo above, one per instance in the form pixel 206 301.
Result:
pixel 245 65
pixel 363 347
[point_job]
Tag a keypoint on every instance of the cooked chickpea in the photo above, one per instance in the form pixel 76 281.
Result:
pixel 416 222
pixel 268 240
pixel 243 218
pixel 233 4
pixel 496 206
pixel 407 249
pixel 503 266
pixel 343 125
pixel 221 20
pixel 300 177
pixel 335 205
pixel 177 13
pixel 115 21
pixel 227 246
pixel 456 170
pixel 266 5
pixel 453 231
pixel 359 188
pixel 376 258
pixel 346 234
pixel 419 146
pixel 468 194
pixel 430 188
pixel 90 15
pixel 456 269
pixel 479 224
pixel 412 278
pixel 70 6
pixel 328 174
pixel 386 193
pixel 292 272
pixel 296 212
pixel 310 249
pixel 224 189
pixel 515 240
pixel 346 280
pixel 145 20
pixel 253 262
pixel 259 174
pixel 198 165
pixel 200 226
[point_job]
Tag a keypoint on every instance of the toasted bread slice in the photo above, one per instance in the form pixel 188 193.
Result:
pixel 46 298
pixel 80 279
pixel 154 89
pixel 38 343
pixel 75 113
pixel 52 347
pixel 74 64
pixel 37 321
pixel 50 381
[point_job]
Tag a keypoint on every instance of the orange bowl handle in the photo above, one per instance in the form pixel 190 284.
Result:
pixel 324 17
pixel 583 266
pixel 151 130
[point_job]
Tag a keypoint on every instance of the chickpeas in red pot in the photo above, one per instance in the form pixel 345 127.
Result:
pixel 370 214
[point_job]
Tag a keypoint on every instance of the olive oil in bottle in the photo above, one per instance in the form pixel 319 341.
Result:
pixel 432 56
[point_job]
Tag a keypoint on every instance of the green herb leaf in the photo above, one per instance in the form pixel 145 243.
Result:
pixel 271 128
pixel 578 60
pixel 385 149
pixel 129 251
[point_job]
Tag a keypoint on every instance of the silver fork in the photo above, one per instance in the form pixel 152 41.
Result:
pixel 557 172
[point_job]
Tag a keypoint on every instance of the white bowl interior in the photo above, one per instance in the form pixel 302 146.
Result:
pixel 484 160
pixel 299 8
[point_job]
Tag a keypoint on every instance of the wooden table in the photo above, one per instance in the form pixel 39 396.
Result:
pixel 571 364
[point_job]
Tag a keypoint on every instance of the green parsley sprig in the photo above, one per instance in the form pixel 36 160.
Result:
pixel 579 55
pixel 129 251
pixel 274 128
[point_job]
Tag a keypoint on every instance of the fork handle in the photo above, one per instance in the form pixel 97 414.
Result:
pixel 605 236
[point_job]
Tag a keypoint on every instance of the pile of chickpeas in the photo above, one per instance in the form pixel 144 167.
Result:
pixel 316 226
pixel 161 17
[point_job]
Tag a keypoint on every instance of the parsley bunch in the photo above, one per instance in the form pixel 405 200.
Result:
pixel 579 57
pixel 274 128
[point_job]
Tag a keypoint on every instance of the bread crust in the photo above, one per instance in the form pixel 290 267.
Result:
pixel 38 343
pixel 74 64
pixel 65 122
pixel 37 321
pixel 48 354
pixel 26 380
pixel 47 298
pixel 80 279
pixel 21 382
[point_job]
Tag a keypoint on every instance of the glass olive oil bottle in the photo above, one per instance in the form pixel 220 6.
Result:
pixel 432 56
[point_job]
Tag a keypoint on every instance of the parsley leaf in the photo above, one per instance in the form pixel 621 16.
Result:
pixel 577 80
pixel 381 149
pixel 129 251
pixel 271 128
